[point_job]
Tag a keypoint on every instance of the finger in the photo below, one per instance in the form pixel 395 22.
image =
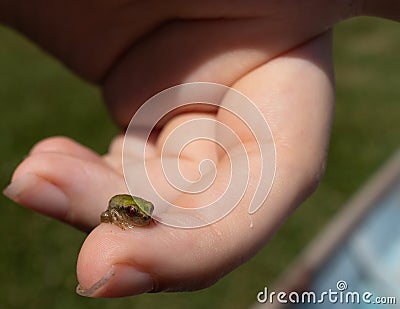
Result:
pixel 213 50
pixel 64 145
pixel 69 183
pixel 192 55
pixel 113 262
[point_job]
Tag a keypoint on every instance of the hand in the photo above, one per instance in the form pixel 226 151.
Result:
pixel 277 64
pixel 69 182
pixel 133 51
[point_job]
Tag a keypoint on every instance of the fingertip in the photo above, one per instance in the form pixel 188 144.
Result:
pixel 39 195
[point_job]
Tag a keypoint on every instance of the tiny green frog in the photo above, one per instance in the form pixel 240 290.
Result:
pixel 127 211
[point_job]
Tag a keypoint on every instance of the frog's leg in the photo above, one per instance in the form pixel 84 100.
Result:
pixel 129 225
pixel 117 219
pixel 105 217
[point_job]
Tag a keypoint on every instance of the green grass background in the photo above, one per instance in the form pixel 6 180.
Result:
pixel 39 98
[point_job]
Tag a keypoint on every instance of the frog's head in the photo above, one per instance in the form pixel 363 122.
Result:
pixel 133 209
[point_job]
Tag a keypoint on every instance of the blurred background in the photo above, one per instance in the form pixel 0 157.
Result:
pixel 40 98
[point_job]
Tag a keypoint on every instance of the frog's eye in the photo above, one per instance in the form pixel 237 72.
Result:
pixel 131 211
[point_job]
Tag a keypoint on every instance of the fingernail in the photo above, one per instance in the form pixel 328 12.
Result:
pixel 18 186
pixel 95 287
pixel 38 194
pixel 120 280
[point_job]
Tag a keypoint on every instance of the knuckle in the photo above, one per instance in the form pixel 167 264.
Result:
pixel 51 144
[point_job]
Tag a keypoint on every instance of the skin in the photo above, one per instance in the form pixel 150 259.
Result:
pixel 264 49
pixel 127 211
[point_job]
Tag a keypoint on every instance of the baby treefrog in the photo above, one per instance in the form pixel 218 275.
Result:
pixel 127 211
